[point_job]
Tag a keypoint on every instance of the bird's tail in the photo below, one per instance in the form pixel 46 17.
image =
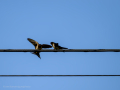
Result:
pixel 63 48
pixel 36 53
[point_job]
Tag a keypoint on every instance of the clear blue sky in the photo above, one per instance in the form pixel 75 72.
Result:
pixel 75 24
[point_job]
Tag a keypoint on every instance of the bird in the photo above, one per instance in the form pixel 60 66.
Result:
pixel 56 46
pixel 38 46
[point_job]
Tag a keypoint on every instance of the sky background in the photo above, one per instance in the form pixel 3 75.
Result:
pixel 75 24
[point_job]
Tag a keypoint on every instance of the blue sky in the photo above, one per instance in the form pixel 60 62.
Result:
pixel 75 24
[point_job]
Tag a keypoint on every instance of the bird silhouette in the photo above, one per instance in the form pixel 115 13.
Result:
pixel 56 46
pixel 38 46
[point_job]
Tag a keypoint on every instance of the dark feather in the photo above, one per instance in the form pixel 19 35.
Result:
pixel 46 46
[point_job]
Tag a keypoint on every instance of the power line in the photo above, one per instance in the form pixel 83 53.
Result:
pixel 62 50
pixel 51 75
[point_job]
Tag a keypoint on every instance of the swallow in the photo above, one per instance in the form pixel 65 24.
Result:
pixel 38 46
pixel 56 46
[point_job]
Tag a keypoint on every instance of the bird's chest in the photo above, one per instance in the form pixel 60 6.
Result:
pixel 53 45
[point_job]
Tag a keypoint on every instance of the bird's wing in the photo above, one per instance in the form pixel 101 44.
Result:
pixel 46 46
pixel 57 45
pixel 35 43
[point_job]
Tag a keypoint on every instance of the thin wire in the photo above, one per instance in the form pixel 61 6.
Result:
pixel 51 75
pixel 61 50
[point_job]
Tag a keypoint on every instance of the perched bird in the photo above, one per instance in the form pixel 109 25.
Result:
pixel 56 46
pixel 38 46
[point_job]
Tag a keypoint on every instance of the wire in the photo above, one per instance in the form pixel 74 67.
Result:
pixel 51 75
pixel 60 50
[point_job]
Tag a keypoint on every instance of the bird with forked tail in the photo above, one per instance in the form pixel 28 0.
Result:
pixel 56 46
pixel 38 46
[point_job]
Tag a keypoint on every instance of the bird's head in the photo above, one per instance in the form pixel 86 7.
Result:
pixel 51 43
